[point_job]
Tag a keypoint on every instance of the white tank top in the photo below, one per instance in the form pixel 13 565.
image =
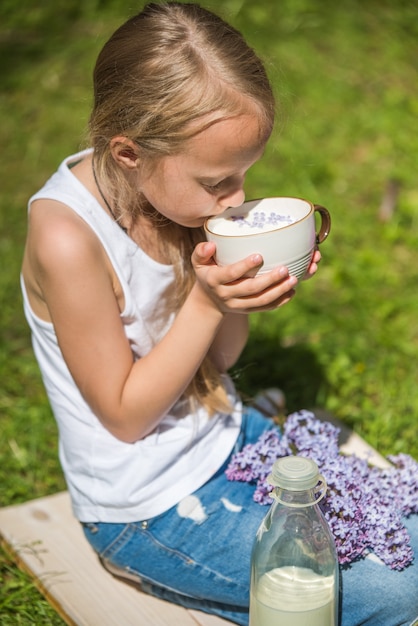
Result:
pixel 109 480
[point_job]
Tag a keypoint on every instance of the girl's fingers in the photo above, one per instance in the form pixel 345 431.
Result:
pixel 260 299
pixel 313 267
pixel 203 253
pixel 260 304
pixel 203 258
pixel 239 287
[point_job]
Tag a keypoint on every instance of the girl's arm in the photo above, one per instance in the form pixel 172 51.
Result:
pixel 233 333
pixel 131 397
pixel 229 341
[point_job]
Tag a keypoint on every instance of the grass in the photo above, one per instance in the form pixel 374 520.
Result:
pixel 346 76
pixel 20 601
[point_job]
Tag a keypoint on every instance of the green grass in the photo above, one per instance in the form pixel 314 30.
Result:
pixel 20 601
pixel 346 75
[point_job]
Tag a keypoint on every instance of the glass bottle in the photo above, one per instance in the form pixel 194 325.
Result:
pixel 294 568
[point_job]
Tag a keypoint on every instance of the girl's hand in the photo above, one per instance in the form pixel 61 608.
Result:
pixel 236 288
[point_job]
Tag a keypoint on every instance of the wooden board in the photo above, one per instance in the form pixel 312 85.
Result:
pixel 351 443
pixel 49 543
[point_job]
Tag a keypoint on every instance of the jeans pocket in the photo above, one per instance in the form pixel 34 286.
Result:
pixel 102 536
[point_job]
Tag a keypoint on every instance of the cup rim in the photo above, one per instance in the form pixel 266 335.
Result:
pixel 272 230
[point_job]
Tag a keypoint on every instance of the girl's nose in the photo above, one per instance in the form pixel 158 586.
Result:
pixel 232 199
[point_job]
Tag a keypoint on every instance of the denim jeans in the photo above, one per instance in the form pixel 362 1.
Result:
pixel 197 554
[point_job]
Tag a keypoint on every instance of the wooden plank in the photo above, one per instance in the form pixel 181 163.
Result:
pixel 204 619
pixel 354 444
pixel 351 443
pixel 50 544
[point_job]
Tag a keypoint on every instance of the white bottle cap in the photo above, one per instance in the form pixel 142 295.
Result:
pixel 295 473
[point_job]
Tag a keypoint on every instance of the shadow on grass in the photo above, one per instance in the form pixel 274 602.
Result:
pixel 24 45
pixel 294 369
pixel 31 32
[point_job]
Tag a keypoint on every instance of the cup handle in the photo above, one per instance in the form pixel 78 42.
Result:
pixel 325 223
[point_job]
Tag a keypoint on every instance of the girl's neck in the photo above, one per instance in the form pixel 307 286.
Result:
pixel 150 238
pixel 147 229
pixel 112 212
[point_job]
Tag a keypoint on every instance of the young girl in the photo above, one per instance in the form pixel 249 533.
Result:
pixel 135 326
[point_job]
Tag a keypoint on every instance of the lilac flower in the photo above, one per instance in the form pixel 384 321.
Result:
pixel 259 220
pixel 364 505
pixel 254 461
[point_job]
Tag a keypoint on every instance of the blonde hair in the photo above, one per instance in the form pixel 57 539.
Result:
pixel 162 77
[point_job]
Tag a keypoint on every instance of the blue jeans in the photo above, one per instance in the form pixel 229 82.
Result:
pixel 197 554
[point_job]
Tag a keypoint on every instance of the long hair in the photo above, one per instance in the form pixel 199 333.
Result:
pixel 157 81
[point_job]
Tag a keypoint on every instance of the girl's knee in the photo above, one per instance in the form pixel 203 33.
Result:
pixel 374 595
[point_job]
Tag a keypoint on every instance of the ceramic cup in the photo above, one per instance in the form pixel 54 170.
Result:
pixel 281 229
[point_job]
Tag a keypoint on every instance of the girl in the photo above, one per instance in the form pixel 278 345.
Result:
pixel 135 326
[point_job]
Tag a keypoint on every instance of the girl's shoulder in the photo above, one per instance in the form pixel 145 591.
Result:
pixel 59 249
pixel 57 227
pixel 56 232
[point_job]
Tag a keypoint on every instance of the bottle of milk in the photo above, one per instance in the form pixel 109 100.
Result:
pixel 294 570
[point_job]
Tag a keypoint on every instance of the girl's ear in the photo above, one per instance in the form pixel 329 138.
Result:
pixel 125 152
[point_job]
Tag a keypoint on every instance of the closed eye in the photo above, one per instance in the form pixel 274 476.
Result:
pixel 223 185
pixel 212 188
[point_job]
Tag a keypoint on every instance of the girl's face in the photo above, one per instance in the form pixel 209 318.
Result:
pixel 208 176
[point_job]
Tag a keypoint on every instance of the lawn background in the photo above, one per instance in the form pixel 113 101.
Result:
pixel 346 76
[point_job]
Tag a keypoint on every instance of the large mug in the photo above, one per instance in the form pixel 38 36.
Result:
pixel 281 229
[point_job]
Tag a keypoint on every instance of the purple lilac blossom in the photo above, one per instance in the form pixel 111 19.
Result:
pixel 364 505
pixel 260 220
